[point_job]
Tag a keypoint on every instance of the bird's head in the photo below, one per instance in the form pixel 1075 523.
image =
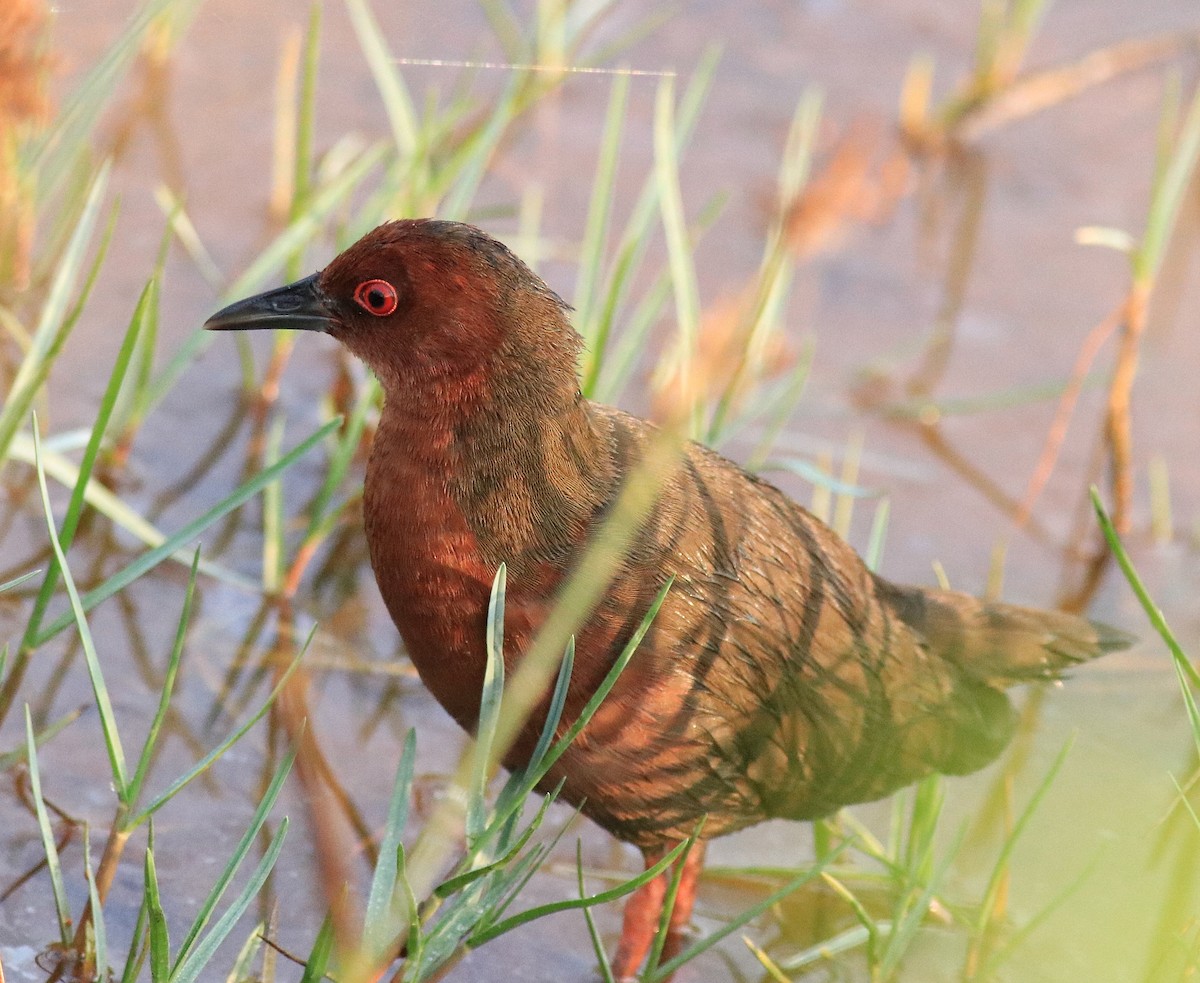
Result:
pixel 428 303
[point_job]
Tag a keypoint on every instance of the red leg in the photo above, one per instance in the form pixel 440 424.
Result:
pixel 643 911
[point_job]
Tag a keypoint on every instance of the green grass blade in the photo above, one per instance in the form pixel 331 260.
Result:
pixel 317 963
pixel 816 475
pixel 132 405
pixel 608 365
pixel 168 686
pixel 510 882
pixel 58 319
pixel 1167 197
pixel 773 279
pixel 305 126
pixel 75 506
pixel 591 254
pixel 923 407
pixel 991 895
pixel 796 165
pixel 557 702
pixel 397 100
pixel 416 931
pixel 149 560
pixel 99 935
pixel 827 949
pixel 17 581
pixel 601 897
pixel 108 722
pixel 508 30
pixel 130 408
pixel 456 883
pixel 1157 620
pixel 139 942
pixel 200 956
pixel 49 847
pixel 489 708
pixel 904 929
pixel 503 889
pixel 606 973
pixel 245 844
pixel 381 904
pixel 1182 798
pixel 160 940
pixel 864 917
pixel 928 801
pixel 204 763
pixel 55 322
pixel 1189 679
pixel 778 409
pixel 1189 702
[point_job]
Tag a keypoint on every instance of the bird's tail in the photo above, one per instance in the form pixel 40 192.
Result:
pixel 992 646
pixel 1002 644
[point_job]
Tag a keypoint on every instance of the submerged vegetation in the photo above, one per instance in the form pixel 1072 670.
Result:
pixel 867 898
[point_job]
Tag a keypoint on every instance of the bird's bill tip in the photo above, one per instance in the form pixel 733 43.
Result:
pixel 301 306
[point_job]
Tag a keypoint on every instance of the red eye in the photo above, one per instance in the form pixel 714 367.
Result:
pixel 376 297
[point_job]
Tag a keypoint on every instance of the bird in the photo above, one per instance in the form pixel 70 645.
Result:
pixel 780 678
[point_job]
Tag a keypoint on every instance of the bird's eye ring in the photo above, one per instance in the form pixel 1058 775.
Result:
pixel 376 297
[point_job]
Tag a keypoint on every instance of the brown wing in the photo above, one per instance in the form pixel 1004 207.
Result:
pixel 782 678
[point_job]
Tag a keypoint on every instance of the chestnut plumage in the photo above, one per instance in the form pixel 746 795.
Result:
pixel 781 677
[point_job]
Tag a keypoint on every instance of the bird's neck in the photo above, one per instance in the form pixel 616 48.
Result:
pixel 511 444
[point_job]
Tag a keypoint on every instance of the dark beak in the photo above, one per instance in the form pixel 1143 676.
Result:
pixel 301 306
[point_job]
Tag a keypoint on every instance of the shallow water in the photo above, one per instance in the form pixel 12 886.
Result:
pixel 869 301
